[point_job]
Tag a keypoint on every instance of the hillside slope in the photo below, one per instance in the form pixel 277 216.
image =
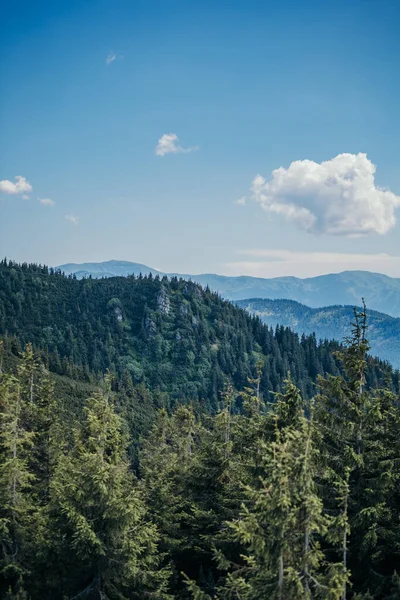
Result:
pixel 172 335
pixel 382 293
pixel 330 322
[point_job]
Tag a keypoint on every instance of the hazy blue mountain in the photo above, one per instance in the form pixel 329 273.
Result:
pixel 330 322
pixel 381 292
pixel 110 268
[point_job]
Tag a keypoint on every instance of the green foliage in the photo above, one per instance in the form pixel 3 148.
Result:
pixel 257 492
pixel 16 501
pixel 282 521
pixel 99 514
pixel 331 322
pixel 169 334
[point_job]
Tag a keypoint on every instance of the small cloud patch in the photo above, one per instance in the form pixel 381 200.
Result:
pixel 110 58
pixel 169 144
pixel 18 187
pixel 72 219
pixel 46 202
pixel 113 56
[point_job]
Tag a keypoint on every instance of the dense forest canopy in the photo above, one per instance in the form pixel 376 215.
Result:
pixel 169 334
pixel 291 500
pixel 158 442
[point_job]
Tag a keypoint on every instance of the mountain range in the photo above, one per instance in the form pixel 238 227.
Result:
pixel 330 322
pixel 381 293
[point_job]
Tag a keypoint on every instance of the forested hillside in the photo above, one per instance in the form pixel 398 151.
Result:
pixel 291 500
pixel 170 335
pixel 381 292
pixel 329 322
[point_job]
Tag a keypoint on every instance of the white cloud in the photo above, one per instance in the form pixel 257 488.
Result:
pixel 169 144
pixel 72 219
pixel 19 187
pixel 46 202
pixel 110 58
pixel 280 263
pixel 241 201
pixel 335 197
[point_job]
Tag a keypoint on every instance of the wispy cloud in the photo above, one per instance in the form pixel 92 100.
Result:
pixel 241 201
pixel 279 263
pixel 46 202
pixel 169 144
pixel 18 187
pixel 112 56
pixel 335 197
pixel 72 219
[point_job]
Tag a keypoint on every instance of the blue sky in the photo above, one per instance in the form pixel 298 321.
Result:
pixel 247 87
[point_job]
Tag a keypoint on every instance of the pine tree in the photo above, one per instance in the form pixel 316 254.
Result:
pixel 40 418
pixel 360 464
pixel 375 523
pixel 282 518
pixel 166 459
pixel 105 546
pixel 281 526
pixel 17 512
pixel 215 491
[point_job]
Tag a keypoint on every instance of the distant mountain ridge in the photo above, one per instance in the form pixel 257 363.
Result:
pixel 329 322
pixel 382 293
pixel 110 268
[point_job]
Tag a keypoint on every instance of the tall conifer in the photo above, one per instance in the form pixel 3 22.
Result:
pixel 107 548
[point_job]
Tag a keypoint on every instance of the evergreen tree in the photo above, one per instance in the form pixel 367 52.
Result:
pixel 376 497
pixel 271 496
pixel 282 518
pixel 165 459
pixel 17 511
pixel 360 432
pixel 214 488
pixel 40 418
pixel 105 548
